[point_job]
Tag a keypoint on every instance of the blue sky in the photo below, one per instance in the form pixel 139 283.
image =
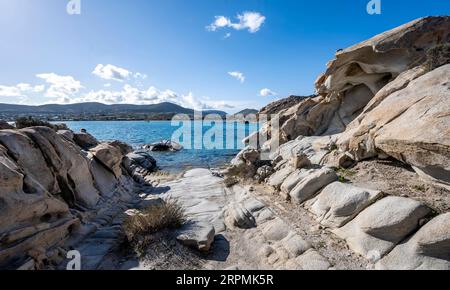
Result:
pixel 147 51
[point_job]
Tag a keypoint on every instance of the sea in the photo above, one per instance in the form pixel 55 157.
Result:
pixel 206 154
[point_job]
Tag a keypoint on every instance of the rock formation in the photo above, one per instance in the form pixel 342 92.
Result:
pixel 50 187
pixel 387 97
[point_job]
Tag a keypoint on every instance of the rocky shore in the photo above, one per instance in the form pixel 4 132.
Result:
pixel 361 180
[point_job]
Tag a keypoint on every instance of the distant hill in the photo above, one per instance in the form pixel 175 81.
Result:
pixel 98 111
pixel 247 112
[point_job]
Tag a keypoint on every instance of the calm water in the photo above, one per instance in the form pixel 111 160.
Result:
pixel 137 133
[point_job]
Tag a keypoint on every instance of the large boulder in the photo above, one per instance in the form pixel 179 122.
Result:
pixel 85 140
pixel 338 203
pixel 311 184
pixel 139 165
pixel 428 249
pixel 379 228
pixel 109 156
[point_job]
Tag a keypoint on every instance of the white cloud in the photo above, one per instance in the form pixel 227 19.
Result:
pixel 267 93
pixel 132 95
pixel 237 75
pixel 228 35
pixel 252 21
pixel 60 86
pixel 111 72
pixel 6 91
pixel 20 89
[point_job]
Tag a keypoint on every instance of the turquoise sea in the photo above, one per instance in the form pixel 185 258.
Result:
pixel 138 133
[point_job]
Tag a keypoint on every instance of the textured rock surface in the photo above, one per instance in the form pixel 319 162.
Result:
pixel 338 203
pixel 85 140
pixel 312 183
pixel 109 156
pixel 48 188
pixel 428 249
pixel 377 230
pixel 410 125
pixel 198 235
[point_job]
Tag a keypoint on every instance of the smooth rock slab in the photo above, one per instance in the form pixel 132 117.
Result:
pixel 376 230
pixel 338 203
pixel 312 183
pixel 428 249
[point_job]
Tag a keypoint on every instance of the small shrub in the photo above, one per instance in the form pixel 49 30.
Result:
pixel 346 172
pixel 438 56
pixel 155 218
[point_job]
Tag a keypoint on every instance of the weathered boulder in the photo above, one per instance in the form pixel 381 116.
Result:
pixel 379 228
pixel 85 140
pixel 312 183
pixel 410 125
pixel 122 146
pixel 277 179
pixel 239 216
pixel 428 249
pixel 198 235
pixel 139 165
pixel 357 74
pixel 68 134
pixel 338 203
pixel 293 179
pixel 70 168
pixel 109 156
pixel 164 146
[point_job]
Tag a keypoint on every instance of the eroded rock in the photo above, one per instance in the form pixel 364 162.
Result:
pixel 338 203
pixel 376 230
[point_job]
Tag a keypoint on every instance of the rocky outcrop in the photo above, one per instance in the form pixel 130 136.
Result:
pixel 49 188
pixel 85 140
pixel 410 124
pixel 376 231
pixel 385 98
pixel 140 165
pixel 429 248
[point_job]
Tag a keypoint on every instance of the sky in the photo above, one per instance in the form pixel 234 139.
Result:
pixel 202 54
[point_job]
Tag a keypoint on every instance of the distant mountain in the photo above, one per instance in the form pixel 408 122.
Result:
pixel 98 111
pixel 247 112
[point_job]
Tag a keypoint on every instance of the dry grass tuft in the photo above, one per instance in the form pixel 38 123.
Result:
pixel 155 218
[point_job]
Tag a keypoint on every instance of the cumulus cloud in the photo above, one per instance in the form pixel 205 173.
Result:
pixel 251 21
pixel 152 95
pixel 237 75
pixel 20 89
pixel 267 93
pixel 60 86
pixel 111 72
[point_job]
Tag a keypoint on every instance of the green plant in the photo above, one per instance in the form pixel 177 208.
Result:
pixel 346 172
pixel 438 56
